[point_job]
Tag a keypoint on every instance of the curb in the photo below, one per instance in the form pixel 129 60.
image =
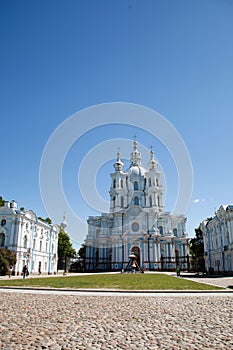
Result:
pixel 227 291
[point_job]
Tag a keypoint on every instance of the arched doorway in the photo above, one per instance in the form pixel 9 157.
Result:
pixel 136 251
pixel 177 256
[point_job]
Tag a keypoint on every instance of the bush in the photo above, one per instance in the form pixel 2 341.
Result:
pixel 7 259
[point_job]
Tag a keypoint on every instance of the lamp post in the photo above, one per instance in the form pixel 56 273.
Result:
pixel 122 254
pixel 150 233
pixel 209 250
pixel 122 236
pixel 148 245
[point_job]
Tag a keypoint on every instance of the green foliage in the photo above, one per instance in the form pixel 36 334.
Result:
pixel 65 248
pixel 7 258
pixel 1 202
pixel 114 281
pixel 82 252
pixel 197 251
pixel 47 220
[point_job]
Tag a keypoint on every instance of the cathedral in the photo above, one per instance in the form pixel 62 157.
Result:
pixel 136 223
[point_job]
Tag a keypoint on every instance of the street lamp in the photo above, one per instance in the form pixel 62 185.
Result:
pixel 151 233
pixel 148 245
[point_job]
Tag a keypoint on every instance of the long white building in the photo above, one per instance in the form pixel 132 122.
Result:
pixel 218 240
pixel 137 223
pixel 33 240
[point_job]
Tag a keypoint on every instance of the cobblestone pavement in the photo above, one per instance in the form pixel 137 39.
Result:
pixel 36 321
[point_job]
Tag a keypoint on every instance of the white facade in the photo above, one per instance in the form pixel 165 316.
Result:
pixel 136 222
pixel 33 240
pixel 218 240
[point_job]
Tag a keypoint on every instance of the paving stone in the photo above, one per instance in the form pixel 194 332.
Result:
pixel 59 322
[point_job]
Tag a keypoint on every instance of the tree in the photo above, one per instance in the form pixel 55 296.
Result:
pixel 82 257
pixel 65 248
pixel 82 252
pixel 197 250
pixel 1 202
pixel 7 259
pixel 47 220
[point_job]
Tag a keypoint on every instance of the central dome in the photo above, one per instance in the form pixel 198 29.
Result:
pixel 136 170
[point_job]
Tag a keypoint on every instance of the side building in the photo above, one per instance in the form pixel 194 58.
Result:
pixel 34 241
pixel 137 223
pixel 218 241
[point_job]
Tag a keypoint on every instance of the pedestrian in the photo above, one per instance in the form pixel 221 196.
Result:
pixel 10 271
pixel 178 271
pixel 25 271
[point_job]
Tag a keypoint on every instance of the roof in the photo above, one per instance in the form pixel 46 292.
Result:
pixel 136 170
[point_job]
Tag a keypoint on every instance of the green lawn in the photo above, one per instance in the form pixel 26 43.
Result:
pixel 116 281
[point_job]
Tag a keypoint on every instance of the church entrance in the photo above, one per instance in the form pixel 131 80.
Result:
pixel 177 255
pixel 136 251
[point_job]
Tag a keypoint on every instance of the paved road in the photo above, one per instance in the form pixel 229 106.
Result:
pixel 91 321
pixel 88 322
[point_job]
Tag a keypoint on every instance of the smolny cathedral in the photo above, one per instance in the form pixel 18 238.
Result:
pixel 136 223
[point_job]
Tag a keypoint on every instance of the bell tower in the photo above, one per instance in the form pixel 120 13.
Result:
pixel 118 188
pixel 154 188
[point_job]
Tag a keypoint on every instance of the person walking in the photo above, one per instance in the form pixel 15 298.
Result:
pixel 25 271
pixel 178 271
pixel 10 271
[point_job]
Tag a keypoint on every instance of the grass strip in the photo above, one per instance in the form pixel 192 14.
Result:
pixel 110 281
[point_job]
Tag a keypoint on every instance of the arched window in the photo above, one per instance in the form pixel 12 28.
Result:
pixel 150 201
pixel 122 202
pixel 3 222
pixel 40 245
pixel 135 186
pixel 2 239
pixel 114 183
pixel 157 182
pixel 122 183
pixel 160 230
pixel 25 242
pixel 149 182
pixel 175 232
pixel 136 201
pixel 114 201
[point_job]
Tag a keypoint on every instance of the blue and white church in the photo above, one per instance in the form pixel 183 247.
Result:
pixel 136 223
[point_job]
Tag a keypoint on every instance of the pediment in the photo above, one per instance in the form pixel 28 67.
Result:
pixel 30 215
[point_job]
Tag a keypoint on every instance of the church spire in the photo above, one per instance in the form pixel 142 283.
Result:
pixel 135 156
pixel 118 165
pixel 152 163
pixel 64 223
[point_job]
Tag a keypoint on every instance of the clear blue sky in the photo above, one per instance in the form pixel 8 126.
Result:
pixel 58 57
